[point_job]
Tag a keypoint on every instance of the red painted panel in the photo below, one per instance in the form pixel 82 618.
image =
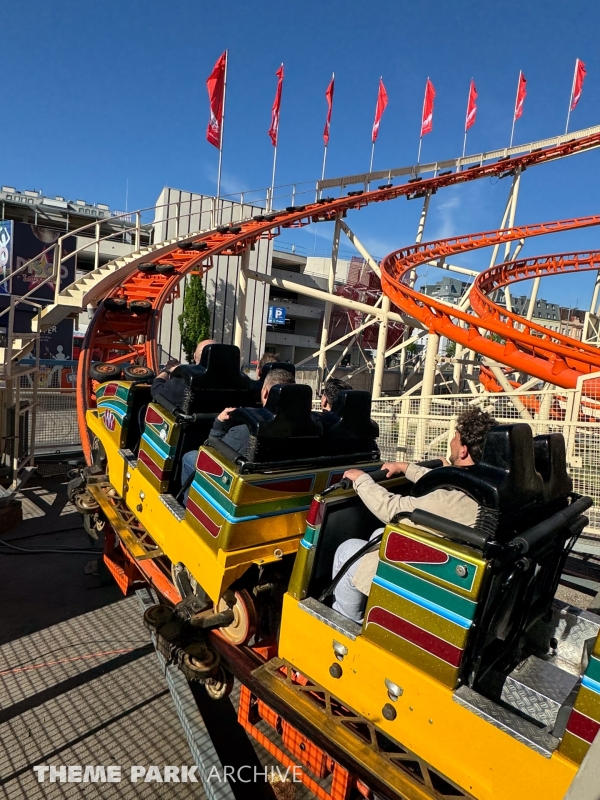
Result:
pixel 583 726
pixel 334 477
pixel 110 390
pixel 209 465
pixel 153 417
pixel 203 518
pixel 412 633
pixel 401 548
pixel 304 484
pixel 154 468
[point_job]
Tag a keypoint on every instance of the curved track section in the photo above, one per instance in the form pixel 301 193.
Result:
pixel 122 337
pixel 526 346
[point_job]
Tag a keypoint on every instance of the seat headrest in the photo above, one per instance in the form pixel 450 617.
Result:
pixel 276 365
pixel 550 456
pixel 212 385
pixel 354 409
pixel 505 481
pixel 285 428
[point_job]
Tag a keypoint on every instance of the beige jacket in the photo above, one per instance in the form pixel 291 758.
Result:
pixel 450 503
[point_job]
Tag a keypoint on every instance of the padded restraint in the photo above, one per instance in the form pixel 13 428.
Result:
pixel 285 428
pixel 550 455
pixel 353 431
pixel 505 483
pixel 291 368
pixel 211 386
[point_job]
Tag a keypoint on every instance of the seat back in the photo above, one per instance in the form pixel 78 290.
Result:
pixel 285 429
pixel 551 462
pixel 205 390
pixel 505 483
pixel 355 431
pixel 276 365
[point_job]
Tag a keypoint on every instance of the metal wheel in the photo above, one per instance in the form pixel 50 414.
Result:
pixel 220 686
pixel 138 373
pixel 105 372
pixel 244 624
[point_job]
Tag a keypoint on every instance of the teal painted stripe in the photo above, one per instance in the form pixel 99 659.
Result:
pixel 228 517
pixel 310 534
pixel 159 443
pixel 427 591
pixel 118 411
pixel 419 601
pixel 162 452
pixel 593 670
pixel 306 545
pixel 106 401
pixel 593 685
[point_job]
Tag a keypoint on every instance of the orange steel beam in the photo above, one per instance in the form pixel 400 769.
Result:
pixel 113 333
pixel 560 362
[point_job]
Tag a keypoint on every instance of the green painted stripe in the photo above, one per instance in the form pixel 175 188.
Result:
pixel 160 443
pixel 124 392
pixel 252 509
pixel 593 670
pixel 310 534
pixel 447 572
pixel 429 591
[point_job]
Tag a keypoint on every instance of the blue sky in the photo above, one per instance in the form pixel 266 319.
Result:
pixel 98 94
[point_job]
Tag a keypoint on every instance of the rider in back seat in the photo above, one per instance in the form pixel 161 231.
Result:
pixel 237 437
pixel 466 449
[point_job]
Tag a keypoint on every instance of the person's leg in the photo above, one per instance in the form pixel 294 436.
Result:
pixel 188 467
pixel 347 599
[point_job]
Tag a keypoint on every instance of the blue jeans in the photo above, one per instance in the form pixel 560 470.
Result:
pixel 188 467
pixel 348 600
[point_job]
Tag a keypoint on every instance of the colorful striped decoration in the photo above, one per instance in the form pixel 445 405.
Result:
pixel 158 447
pixel 423 601
pixel 584 721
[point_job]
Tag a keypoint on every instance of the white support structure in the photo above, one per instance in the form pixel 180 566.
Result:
pixel 360 247
pixel 240 308
pixel 335 248
pixel 381 345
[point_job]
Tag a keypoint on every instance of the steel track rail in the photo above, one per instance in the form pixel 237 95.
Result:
pixel 119 337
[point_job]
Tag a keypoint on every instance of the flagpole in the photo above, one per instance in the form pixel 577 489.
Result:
pixel 222 127
pixel 373 140
pixel 275 155
pixel 571 97
pixel 372 154
pixel 273 175
pixel 512 133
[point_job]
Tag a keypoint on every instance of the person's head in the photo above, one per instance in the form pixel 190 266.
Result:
pixel 330 391
pixel 266 358
pixel 200 347
pixel 466 446
pixel 274 377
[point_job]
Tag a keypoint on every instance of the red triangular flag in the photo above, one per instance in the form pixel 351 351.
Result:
pixel 521 93
pixel 216 90
pixel 471 106
pixel 427 120
pixel 274 129
pixel 580 73
pixel 329 97
pixel 382 101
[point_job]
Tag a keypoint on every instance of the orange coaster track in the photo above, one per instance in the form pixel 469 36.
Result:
pixel 527 347
pixel 124 337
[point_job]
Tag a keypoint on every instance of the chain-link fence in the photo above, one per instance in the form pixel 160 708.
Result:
pixel 56 420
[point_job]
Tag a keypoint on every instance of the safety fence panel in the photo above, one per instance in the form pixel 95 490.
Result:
pixel 56 420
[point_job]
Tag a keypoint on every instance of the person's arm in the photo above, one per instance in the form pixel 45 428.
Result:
pixel 378 500
pixel 219 428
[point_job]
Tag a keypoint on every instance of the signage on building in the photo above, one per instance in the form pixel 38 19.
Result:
pixel 6 237
pixel 276 315
pixel 29 244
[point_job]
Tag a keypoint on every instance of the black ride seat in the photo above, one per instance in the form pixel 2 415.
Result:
pixel 287 433
pixel 196 394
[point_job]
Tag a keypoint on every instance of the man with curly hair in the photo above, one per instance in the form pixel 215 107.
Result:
pixel 466 449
